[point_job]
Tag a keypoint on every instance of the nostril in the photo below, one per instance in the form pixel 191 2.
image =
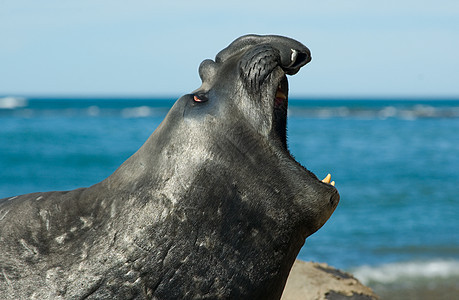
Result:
pixel 297 60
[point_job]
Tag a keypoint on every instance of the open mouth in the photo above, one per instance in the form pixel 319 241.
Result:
pixel 280 117
pixel 280 104
pixel 264 71
pixel 281 96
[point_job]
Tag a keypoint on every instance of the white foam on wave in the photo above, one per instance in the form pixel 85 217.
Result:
pixel 388 112
pixel 395 272
pixel 93 111
pixel 12 102
pixel 136 112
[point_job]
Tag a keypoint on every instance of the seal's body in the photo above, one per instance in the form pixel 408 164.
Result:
pixel 211 206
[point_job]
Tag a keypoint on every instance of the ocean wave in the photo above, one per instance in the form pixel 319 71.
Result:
pixel 136 112
pixel 132 108
pixel 419 111
pixel 25 110
pixel 407 271
pixel 12 102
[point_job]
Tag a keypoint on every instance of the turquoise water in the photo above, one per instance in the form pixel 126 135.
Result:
pixel 395 163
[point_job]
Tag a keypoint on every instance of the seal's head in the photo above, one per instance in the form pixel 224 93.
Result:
pixel 239 115
pixel 256 68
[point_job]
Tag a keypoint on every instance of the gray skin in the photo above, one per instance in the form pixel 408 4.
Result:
pixel 211 206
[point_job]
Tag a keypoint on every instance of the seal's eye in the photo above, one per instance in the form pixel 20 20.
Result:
pixel 200 98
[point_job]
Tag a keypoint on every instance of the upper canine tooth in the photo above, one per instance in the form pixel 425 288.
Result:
pixel 327 178
pixel 293 56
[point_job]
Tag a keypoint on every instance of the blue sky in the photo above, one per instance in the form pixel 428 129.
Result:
pixel 146 48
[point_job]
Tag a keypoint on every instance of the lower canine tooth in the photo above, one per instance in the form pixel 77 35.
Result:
pixel 327 179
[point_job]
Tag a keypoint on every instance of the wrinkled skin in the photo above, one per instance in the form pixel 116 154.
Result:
pixel 211 206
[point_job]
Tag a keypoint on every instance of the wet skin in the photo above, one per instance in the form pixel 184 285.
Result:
pixel 211 206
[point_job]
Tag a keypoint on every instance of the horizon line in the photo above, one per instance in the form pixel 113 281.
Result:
pixel 176 97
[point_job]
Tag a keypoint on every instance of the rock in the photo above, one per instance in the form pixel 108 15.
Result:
pixel 319 281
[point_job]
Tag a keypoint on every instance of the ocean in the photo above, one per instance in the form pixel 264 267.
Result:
pixel 395 163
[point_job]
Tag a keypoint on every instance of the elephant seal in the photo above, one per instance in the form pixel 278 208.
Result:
pixel 211 206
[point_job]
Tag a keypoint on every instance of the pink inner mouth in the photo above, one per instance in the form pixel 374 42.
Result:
pixel 280 97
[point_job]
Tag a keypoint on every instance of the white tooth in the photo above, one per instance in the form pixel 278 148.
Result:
pixel 327 178
pixel 294 55
pixel 332 183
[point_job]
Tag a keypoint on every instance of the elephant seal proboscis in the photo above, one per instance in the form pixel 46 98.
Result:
pixel 211 206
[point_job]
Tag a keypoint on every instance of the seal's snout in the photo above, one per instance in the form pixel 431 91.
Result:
pixel 295 60
pixel 293 54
